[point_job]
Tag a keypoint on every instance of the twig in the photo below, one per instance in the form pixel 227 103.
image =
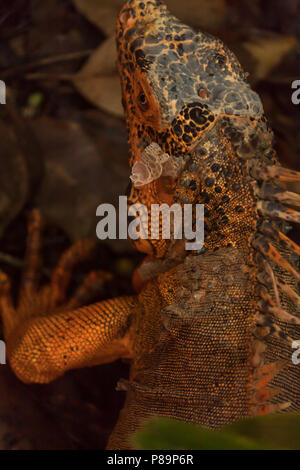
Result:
pixel 18 263
pixel 11 260
pixel 49 76
pixel 46 61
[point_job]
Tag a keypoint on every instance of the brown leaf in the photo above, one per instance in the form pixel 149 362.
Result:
pixel 102 13
pixel 207 14
pixel 268 52
pixel 98 80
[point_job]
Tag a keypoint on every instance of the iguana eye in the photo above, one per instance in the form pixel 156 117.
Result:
pixel 143 101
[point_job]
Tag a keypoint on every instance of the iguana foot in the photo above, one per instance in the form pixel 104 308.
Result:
pixel 44 335
pixel 34 300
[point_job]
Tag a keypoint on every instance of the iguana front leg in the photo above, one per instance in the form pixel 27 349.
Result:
pixel 41 346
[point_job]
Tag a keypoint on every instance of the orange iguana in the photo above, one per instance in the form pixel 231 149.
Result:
pixel 210 333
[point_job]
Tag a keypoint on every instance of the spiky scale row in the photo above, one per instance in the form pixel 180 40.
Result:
pixel 267 327
pixel 262 377
pixel 262 172
pixel 267 305
pixel 271 253
pixel 271 204
pixel 289 292
pixel 275 210
pixel 265 394
pixel 272 193
pixel 268 229
pixel 264 374
pixel 266 408
pixel 265 279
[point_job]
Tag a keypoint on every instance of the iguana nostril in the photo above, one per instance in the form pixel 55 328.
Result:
pixel 203 93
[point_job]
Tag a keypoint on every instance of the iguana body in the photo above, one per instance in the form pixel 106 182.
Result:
pixel 209 334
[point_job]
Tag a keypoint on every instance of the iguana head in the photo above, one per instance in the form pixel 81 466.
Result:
pixel 186 92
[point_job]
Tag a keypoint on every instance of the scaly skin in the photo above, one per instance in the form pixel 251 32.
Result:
pixel 209 334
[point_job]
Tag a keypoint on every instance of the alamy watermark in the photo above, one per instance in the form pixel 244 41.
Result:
pixel 2 92
pixel 296 93
pixel 296 354
pixel 165 222
pixel 2 353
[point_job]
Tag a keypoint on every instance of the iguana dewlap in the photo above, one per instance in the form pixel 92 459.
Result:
pixel 209 334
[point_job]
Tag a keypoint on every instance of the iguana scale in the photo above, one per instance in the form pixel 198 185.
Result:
pixel 209 333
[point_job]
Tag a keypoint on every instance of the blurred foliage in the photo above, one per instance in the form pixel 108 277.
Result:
pixel 268 432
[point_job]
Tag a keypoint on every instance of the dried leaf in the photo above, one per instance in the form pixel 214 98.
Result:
pixel 102 13
pixel 207 14
pixel 268 52
pixel 98 80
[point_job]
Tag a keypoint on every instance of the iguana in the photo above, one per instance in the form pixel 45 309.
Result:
pixel 209 333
